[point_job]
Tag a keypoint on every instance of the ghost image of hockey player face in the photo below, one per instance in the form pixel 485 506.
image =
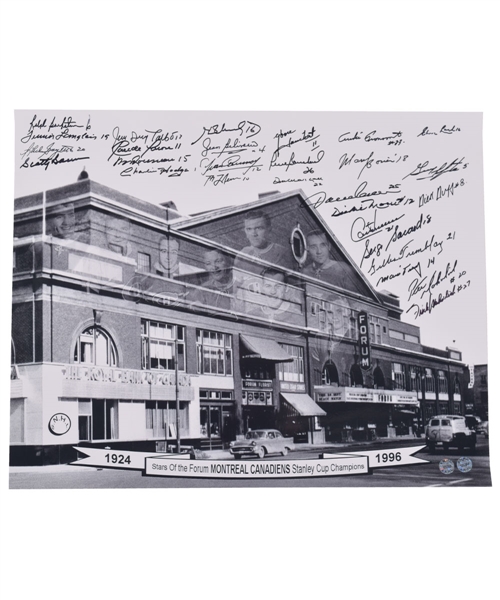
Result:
pixel 169 254
pixel 318 248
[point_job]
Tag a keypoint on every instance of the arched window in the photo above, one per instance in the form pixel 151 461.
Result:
pixel 95 347
pixel 329 375
pixel 356 376
pixel 378 379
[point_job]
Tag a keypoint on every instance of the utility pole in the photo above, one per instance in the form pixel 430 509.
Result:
pixel 177 403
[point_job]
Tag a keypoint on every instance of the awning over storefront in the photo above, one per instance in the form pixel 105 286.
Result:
pixel 304 405
pixel 254 347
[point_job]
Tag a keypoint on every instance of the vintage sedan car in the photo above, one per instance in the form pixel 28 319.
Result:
pixel 260 442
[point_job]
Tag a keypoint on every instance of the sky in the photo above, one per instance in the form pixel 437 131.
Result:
pixel 413 180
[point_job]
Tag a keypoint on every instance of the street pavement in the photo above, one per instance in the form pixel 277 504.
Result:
pixel 418 475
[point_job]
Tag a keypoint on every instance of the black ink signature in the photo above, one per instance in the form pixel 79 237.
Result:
pixel 370 137
pixel 363 229
pixel 67 123
pixel 359 193
pixel 449 130
pixel 343 137
pixel 230 163
pixel 292 162
pixel 424 285
pixel 368 204
pixel 432 303
pixel 246 129
pixel 230 147
pixel 53 159
pixel 306 136
pixel 401 273
pixel 220 179
pixel 34 149
pixel 397 235
pixel 425 131
pixel 435 172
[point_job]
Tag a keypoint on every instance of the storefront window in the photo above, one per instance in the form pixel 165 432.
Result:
pixel 214 351
pixel 292 371
pixel 97 420
pixel 95 347
pixel 161 419
pixel 159 341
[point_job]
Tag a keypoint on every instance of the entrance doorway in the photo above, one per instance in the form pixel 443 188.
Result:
pixel 216 426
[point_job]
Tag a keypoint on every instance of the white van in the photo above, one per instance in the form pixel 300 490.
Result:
pixel 449 431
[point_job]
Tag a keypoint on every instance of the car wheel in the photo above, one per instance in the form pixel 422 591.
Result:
pixel 432 447
pixel 284 451
pixel 261 452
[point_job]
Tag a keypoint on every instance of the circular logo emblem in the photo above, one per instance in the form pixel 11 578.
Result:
pixel 59 424
pixel 464 464
pixel 446 466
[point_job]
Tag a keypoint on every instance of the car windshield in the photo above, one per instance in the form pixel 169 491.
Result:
pixel 254 435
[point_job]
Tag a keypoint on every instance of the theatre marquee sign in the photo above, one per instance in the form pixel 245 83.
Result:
pixel 346 394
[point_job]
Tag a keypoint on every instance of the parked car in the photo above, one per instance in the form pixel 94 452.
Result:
pixel 449 431
pixel 260 442
pixel 474 422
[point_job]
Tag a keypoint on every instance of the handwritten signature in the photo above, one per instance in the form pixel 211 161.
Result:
pixel 246 129
pixel 423 171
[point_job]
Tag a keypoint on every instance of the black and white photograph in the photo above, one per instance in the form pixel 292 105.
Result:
pixel 250 257
pixel 245 298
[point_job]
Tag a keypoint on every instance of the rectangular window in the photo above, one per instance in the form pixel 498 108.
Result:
pixel 158 342
pixel 292 371
pixel 430 384
pixel 375 329
pixel 143 262
pixel 398 376
pixel 415 381
pixel 397 335
pixel 400 335
pixel 215 353
pixel 411 338
pixel 442 383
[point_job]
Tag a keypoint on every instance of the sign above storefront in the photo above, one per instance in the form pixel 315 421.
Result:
pixel 252 384
pixel 129 376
